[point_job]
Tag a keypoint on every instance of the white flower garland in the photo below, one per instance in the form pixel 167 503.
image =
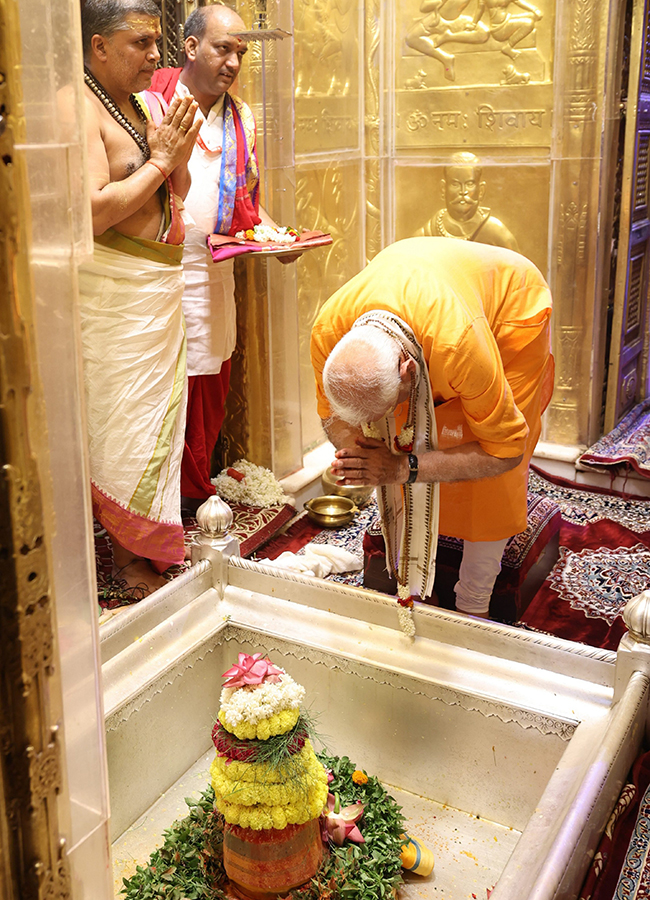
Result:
pixel 263 234
pixel 406 623
pixel 371 430
pixel 259 487
pixel 405 437
pixel 256 702
pixel 405 613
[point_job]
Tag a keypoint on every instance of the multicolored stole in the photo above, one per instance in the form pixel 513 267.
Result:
pixel 240 178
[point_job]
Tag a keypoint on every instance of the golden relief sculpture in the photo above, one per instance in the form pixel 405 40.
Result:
pixel 463 217
pixel 326 36
pixel 499 52
pixel 445 23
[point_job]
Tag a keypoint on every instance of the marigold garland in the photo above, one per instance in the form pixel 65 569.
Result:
pixel 267 816
pixel 262 773
pixel 190 862
pixel 279 723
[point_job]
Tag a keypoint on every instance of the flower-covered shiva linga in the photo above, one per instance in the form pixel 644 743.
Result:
pixel 267 782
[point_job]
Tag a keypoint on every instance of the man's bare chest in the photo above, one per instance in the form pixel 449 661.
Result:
pixel 124 145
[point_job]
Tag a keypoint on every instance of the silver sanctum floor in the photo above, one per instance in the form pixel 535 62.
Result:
pixel 469 852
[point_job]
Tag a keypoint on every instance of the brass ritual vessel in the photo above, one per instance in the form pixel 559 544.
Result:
pixel 358 493
pixel 331 511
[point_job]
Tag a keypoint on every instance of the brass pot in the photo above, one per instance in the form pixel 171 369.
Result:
pixel 331 511
pixel 358 493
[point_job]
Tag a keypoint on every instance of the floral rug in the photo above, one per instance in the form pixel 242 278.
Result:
pixel 604 562
pixel 252 526
pixel 621 865
pixel 627 446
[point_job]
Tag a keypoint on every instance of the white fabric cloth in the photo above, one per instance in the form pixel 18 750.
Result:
pixel 209 298
pixel 479 568
pixel 133 344
pixel 318 560
pixel 409 512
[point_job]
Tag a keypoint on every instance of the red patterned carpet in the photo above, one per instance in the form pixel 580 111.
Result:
pixel 621 866
pixel 604 562
pixel 253 526
pixel 626 447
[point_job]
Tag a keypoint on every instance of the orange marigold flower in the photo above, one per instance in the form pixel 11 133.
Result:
pixel 359 777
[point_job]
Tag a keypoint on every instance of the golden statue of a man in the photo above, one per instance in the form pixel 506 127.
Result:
pixel 463 217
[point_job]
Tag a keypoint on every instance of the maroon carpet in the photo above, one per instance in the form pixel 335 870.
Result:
pixel 604 562
pixel 252 526
pixel 621 865
pixel 626 447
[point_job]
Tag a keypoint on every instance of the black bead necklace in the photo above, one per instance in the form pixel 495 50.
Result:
pixel 111 106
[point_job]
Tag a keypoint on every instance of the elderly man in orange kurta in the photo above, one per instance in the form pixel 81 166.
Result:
pixel 433 368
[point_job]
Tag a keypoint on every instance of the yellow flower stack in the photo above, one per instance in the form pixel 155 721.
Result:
pixel 271 803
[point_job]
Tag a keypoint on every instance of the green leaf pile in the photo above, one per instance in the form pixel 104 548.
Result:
pixel 189 865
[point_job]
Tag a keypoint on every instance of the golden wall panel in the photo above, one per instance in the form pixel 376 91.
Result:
pixel 328 198
pixel 466 76
pixel 516 197
pixel 327 86
pixel 580 204
pixel 327 123
pixel 374 187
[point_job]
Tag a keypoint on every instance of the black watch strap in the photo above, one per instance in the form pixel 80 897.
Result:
pixel 413 468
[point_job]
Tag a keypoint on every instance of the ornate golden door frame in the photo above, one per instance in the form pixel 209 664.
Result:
pixel 54 806
pixel 32 853
pixel 628 361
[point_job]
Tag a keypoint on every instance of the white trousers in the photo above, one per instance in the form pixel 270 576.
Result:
pixel 478 571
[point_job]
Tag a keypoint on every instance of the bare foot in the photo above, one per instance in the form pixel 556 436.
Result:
pixel 138 577
pixel 133 575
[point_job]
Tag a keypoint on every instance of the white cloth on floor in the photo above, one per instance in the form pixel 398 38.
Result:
pixel 318 560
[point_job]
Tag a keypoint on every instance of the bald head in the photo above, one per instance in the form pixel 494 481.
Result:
pixel 213 54
pixel 361 377
pixel 197 22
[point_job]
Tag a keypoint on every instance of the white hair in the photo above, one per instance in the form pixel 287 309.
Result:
pixel 361 375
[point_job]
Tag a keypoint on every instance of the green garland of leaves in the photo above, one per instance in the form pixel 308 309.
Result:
pixel 189 865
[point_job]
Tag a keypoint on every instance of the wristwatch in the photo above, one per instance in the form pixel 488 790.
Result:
pixel 413 468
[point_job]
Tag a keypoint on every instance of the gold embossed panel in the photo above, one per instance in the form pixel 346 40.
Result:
pixel 511 201
pixel 327 75
pixel 328 198
pixel 475 74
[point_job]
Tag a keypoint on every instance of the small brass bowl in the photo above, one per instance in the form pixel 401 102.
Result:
pixel 358 493
pixel 331 511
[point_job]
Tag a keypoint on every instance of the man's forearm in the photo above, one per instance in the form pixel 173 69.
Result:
pixel 181 180
pixel 467 462
pixel 118 200
pixel 370 461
